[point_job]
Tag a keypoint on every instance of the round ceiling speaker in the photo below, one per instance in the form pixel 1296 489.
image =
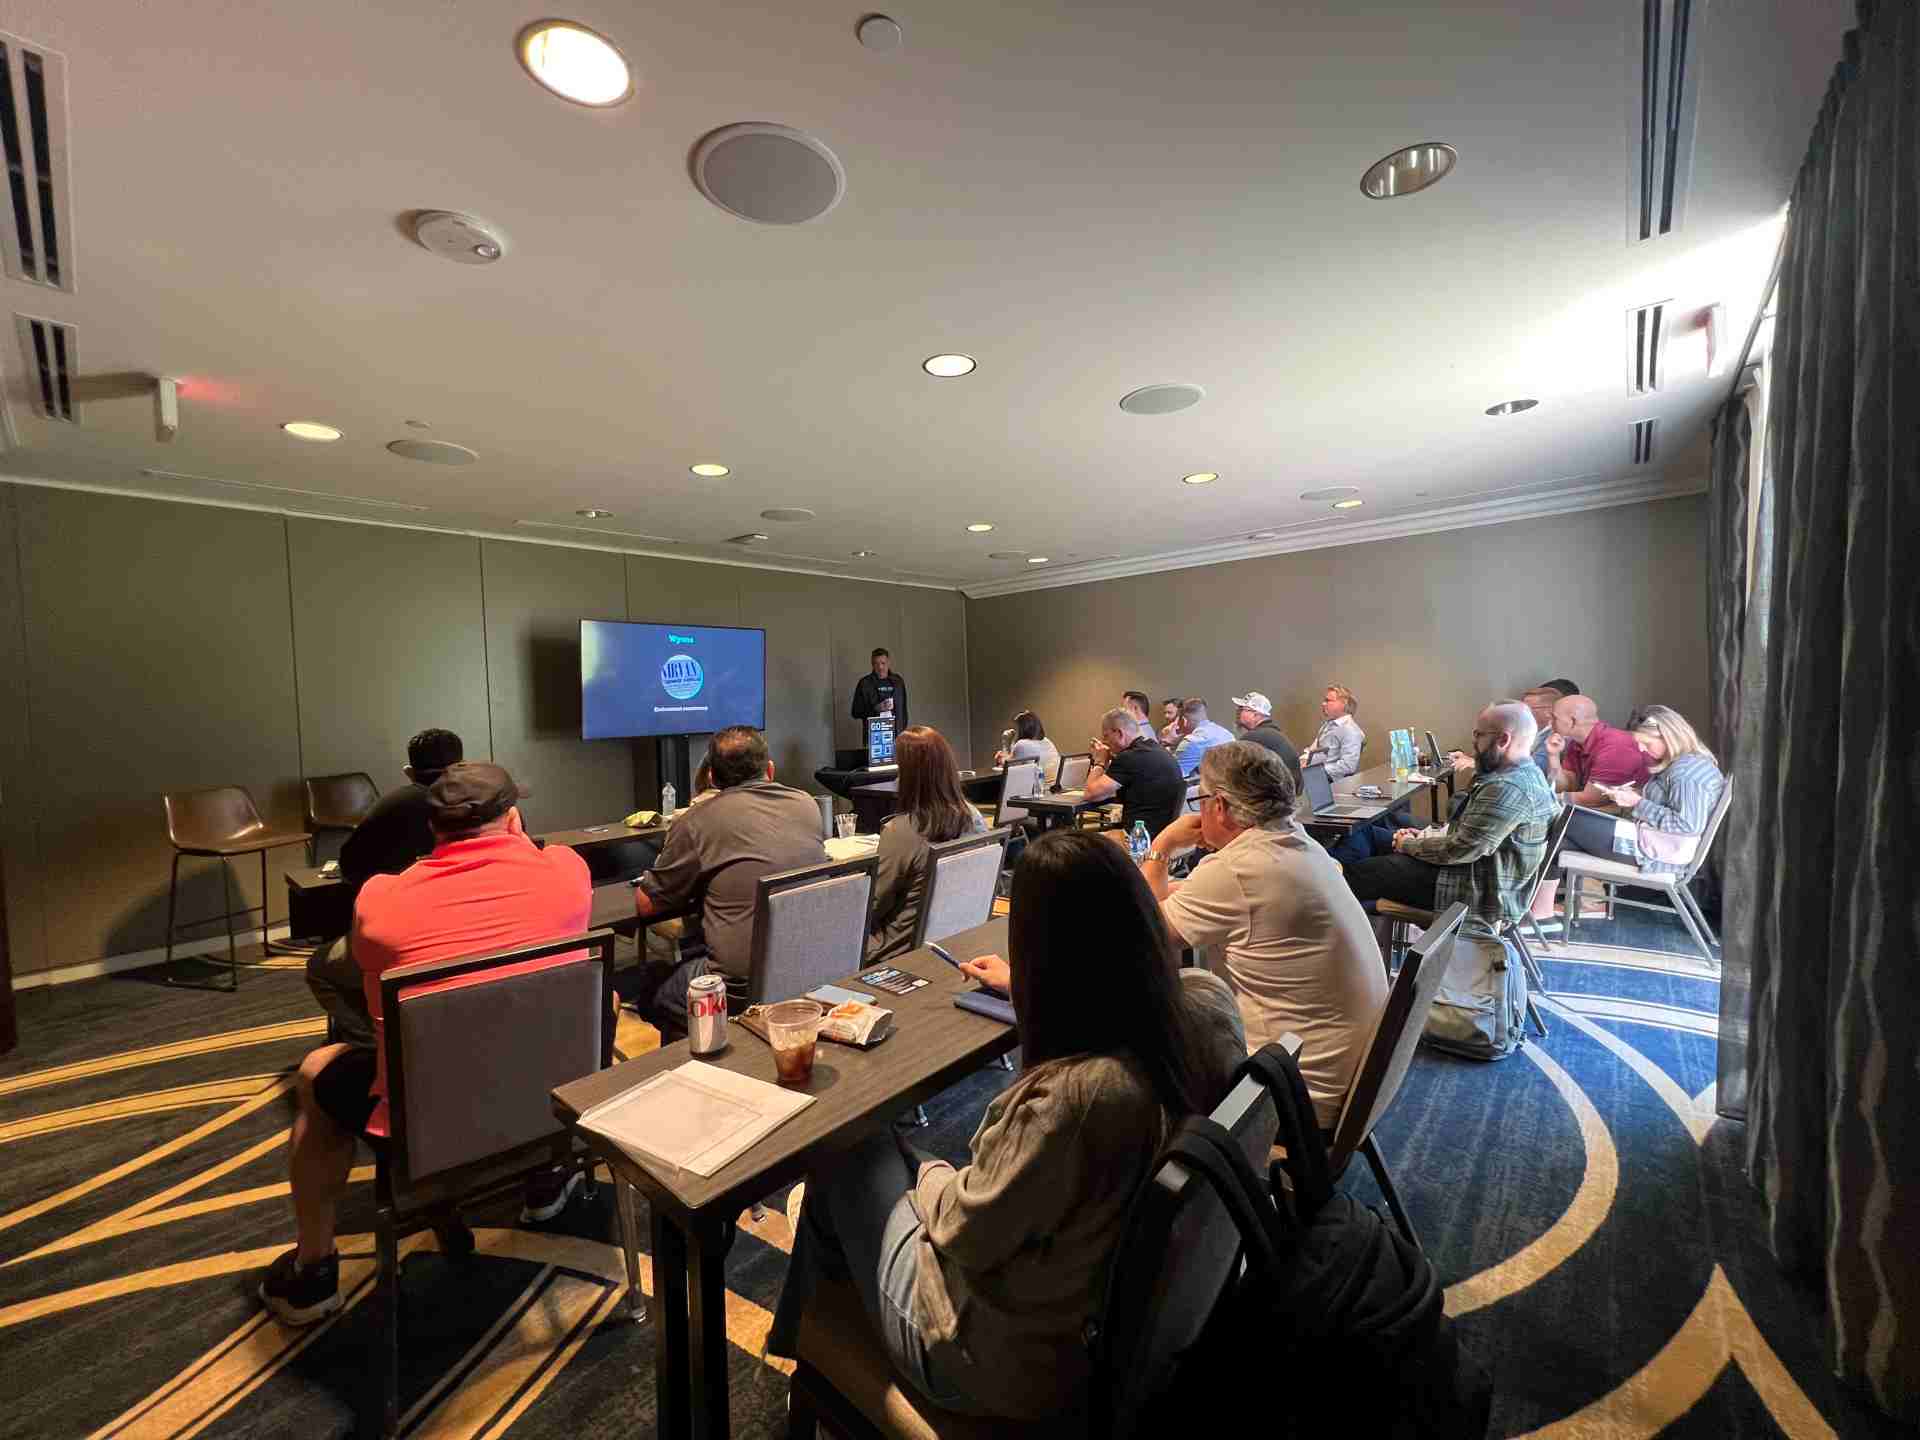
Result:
pixel 792 515
pixel 433 452
pixel 879 32
pixel 459 238
pixel 1161 399
pixel 769 174
pixel 1331 492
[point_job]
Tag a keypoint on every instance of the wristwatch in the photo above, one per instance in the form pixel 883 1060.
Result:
pixel 1155 855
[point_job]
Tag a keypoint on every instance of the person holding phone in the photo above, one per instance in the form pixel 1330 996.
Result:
pixel 1665 818
pixel 980 1279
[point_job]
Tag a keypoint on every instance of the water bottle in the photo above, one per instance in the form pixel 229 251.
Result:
pixel 667 797
pixel 1138 841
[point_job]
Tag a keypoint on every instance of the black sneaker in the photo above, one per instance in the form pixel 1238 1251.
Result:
pixel 301 1294
pixel 548 1192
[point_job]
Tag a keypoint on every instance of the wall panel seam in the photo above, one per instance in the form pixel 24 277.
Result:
pixel 293 646
pixel 486 647
pixel 33 861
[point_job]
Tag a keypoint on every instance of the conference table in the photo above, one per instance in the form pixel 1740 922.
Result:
pixel 1061 811
pixel 1393 792
pixel 693 1217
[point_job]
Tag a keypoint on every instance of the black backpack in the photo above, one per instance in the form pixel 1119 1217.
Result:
pixel 1337 1318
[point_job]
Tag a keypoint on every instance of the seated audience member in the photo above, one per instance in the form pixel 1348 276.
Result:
pixel 1129 767
pixel 932 811
pixel 1584 753
pixel 1198 735
pixel 979 1281
pixel 1488 854
pixel 1667 816
pixel 1338 744
pixel 1170 731
pixel 1030 742
pixel 1136 703
pixel 1562 684
pixel 1256 725
pixel 484 887
pixel 711 861
pixel 1281 926
pixel 1540 700
pixel 397 831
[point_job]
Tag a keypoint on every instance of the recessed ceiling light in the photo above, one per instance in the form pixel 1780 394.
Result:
pixel 980 527
pixel 575 63
pixel 948 366
pixel 708 470
pixel 593 514
pixel 310 430
pixel 1511 407
pixel 1348 504
pixel 1200 477
pixel 1405 171
pixel 1036 559
pixel 1264 535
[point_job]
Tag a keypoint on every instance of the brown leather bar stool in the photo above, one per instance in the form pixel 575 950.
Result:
pixel 337 802
pixel 220 823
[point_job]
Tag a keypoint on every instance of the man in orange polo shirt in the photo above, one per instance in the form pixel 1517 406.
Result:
pixel 485 887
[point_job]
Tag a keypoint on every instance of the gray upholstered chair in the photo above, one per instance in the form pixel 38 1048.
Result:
pixel 809 927
pixel 1389 1053
pixel 961 875
pixel 1176 1258
pixel 469 1074
pixel 1073 771
pixel 1579 867
pixel 1020 779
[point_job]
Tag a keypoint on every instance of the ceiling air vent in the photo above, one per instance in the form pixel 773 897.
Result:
pixel 1661 163
pixel 52 362
pixel 37 240
pixel 1643 441
pixel 1647 348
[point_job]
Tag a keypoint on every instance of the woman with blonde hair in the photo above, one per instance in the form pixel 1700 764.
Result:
pixel 1662 821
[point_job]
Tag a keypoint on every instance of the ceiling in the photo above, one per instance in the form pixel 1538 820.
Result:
pixel 1085 198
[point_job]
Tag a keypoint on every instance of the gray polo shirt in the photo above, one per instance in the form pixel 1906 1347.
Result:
pixel 716 853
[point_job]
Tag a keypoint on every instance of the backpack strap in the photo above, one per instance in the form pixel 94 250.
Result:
pixel 1307 1168
pixel 1206 1148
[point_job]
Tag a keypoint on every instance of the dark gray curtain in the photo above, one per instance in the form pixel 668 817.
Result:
pixel 1726 633
pixel 1824 880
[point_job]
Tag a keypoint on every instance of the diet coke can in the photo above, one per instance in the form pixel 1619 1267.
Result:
pixel 706 1014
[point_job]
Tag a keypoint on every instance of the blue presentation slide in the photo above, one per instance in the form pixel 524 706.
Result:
pixel 669 679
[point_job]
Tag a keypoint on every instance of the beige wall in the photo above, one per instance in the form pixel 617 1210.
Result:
pixel 151 646
pixel 1424 630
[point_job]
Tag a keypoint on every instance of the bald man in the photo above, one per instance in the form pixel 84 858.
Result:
pixel 1585 753
pixel 1487 855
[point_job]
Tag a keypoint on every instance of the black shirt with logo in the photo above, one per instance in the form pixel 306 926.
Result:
pixel 871 690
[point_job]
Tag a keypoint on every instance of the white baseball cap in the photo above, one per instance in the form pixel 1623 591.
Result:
pixel 1255 701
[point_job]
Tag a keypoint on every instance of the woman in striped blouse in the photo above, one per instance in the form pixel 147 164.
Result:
pixel 1666 818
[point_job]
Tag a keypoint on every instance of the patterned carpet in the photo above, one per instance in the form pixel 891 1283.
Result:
pixel 1585 1208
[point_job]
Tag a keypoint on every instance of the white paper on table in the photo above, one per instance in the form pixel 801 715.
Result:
pixel 694 1117
pixel 852 847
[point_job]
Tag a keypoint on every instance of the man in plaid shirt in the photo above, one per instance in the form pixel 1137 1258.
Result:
pixel 1487 856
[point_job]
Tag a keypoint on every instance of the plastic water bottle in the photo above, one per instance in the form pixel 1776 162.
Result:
pixel 1138 841
pixel 667 797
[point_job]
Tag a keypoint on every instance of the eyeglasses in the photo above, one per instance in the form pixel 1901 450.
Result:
pixel 1200 795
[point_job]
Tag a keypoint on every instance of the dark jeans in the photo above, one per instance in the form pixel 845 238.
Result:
pixel 1593 835
pixel 659 993
pixel 1363 842
pixel 334 977
pixel 1394 877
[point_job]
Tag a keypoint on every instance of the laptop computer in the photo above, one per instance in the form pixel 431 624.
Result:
pixel 1320 796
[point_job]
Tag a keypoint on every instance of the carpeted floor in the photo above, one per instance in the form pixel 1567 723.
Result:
pixel 1586 1210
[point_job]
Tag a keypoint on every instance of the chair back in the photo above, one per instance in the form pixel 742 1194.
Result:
pixel 339 802
pixel 1177 1256
pixel 1073 771
pixel 1021 779
pixel 1556 837
pixel 211 819
pixel 470 1066
pixel 961 875
pixel 809 927
pixel 1396 1033
pixel 1714 821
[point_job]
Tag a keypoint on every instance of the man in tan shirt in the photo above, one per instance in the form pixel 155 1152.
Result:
pixel 1278 922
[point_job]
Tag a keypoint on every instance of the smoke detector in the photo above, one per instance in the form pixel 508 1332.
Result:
pixel 459 238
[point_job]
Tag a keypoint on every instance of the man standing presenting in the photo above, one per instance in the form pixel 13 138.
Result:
pixel 1338 744
pixel 882 692
pixel 1584 753
pixel 1256 724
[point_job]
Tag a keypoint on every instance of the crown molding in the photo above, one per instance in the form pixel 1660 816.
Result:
pixel 515 537
pixel 1329 534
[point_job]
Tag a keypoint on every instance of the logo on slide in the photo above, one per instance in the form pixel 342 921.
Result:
pixel 682 676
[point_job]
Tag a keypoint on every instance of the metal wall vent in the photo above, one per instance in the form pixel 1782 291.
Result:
pixel 1661 164
pixel 1647 348
pixel 1643 436
pixel 52 364
pixel 38 240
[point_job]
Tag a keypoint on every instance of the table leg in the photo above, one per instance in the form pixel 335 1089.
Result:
pixel 707 1307
pixel 670 1326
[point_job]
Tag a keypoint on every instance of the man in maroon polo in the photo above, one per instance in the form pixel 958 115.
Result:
pixel 1585 753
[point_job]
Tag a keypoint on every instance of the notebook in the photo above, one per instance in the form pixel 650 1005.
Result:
pixel 695 1116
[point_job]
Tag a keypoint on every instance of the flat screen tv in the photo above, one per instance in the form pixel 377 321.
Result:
pixel 642 679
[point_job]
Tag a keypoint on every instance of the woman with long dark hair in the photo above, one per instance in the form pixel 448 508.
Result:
pixel 932 811
pixel 980 1281
pixel 1030 742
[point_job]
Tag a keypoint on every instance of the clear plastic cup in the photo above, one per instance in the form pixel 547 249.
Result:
pixel 793 1029
pixel 843 825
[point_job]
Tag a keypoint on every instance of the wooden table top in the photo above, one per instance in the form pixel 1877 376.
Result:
pixel 934 1043
pixel 1067 802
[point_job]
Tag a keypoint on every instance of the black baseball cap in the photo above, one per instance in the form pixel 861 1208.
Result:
pixel 472 793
